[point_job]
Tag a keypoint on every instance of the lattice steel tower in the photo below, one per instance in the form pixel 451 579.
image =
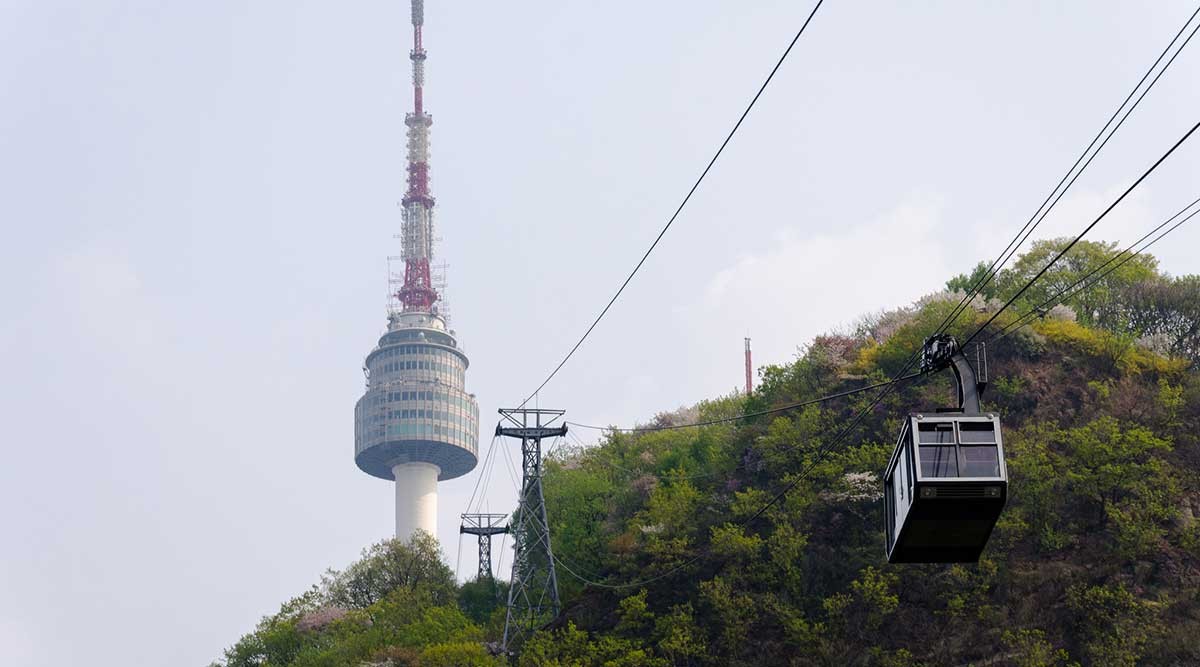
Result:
pixel 416 423
pixel 484 527
pixel 533 591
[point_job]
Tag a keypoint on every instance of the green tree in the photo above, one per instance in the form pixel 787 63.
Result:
pixel 1114 625
pixel 1098 302
pixel 480 598
pixel 856 616
pixel 572 647
pixel 636 619
pixel 680 639
pixel 1100 476
pixel 1169 308
pixel 389 565
pixel 1031 649
pixel 459 654
pixel 967 283
pixel 276 640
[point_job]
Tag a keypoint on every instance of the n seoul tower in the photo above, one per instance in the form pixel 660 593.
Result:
pixel 416 424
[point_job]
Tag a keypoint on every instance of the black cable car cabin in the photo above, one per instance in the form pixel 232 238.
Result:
pixel 946 482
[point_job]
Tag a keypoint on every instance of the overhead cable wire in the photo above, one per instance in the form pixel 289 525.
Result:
pixel 482 504
pixel 821 451
pixel 491 470
pixel 670 475
pixel 1052 199
pixel 820 455
pixel 500 562
pixel 1087 229
pixel 776 498
pixel 827 447
pixel 747 415
pixel 458 561
pixel 679 209
pixel 792 406
pixel 1120 258
pixel 512 476
pixel 555 444
pixel 483 472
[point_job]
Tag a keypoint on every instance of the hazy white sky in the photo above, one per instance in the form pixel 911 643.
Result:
pixel 197 200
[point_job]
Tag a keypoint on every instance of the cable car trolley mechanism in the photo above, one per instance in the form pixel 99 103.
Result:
pixel 946 482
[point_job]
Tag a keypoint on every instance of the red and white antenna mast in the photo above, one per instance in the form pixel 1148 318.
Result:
pixel 749 375
pixel 418 294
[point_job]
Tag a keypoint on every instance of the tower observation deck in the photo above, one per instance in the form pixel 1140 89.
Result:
pixel 416 424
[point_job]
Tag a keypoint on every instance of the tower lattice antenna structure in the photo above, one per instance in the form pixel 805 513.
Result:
pixel 418 294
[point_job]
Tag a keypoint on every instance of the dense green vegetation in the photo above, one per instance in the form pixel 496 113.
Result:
pixel 1096 560
pixel 398 605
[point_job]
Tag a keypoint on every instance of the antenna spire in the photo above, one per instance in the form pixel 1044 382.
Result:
pixel 418 294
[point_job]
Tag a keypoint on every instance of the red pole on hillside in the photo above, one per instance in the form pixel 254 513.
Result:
pixel 749 376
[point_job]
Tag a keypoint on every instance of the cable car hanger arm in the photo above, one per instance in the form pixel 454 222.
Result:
pixel 940 351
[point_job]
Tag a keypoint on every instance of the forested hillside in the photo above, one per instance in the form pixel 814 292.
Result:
pixel 1095 560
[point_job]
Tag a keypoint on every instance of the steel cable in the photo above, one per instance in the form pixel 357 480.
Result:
pixel 679 209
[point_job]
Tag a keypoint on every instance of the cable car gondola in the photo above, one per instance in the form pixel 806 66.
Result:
pixel 946 482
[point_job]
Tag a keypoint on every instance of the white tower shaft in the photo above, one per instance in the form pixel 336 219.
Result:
pixel 416 499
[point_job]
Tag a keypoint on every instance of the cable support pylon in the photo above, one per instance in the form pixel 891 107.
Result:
pixel 483 526
pixel 533 592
